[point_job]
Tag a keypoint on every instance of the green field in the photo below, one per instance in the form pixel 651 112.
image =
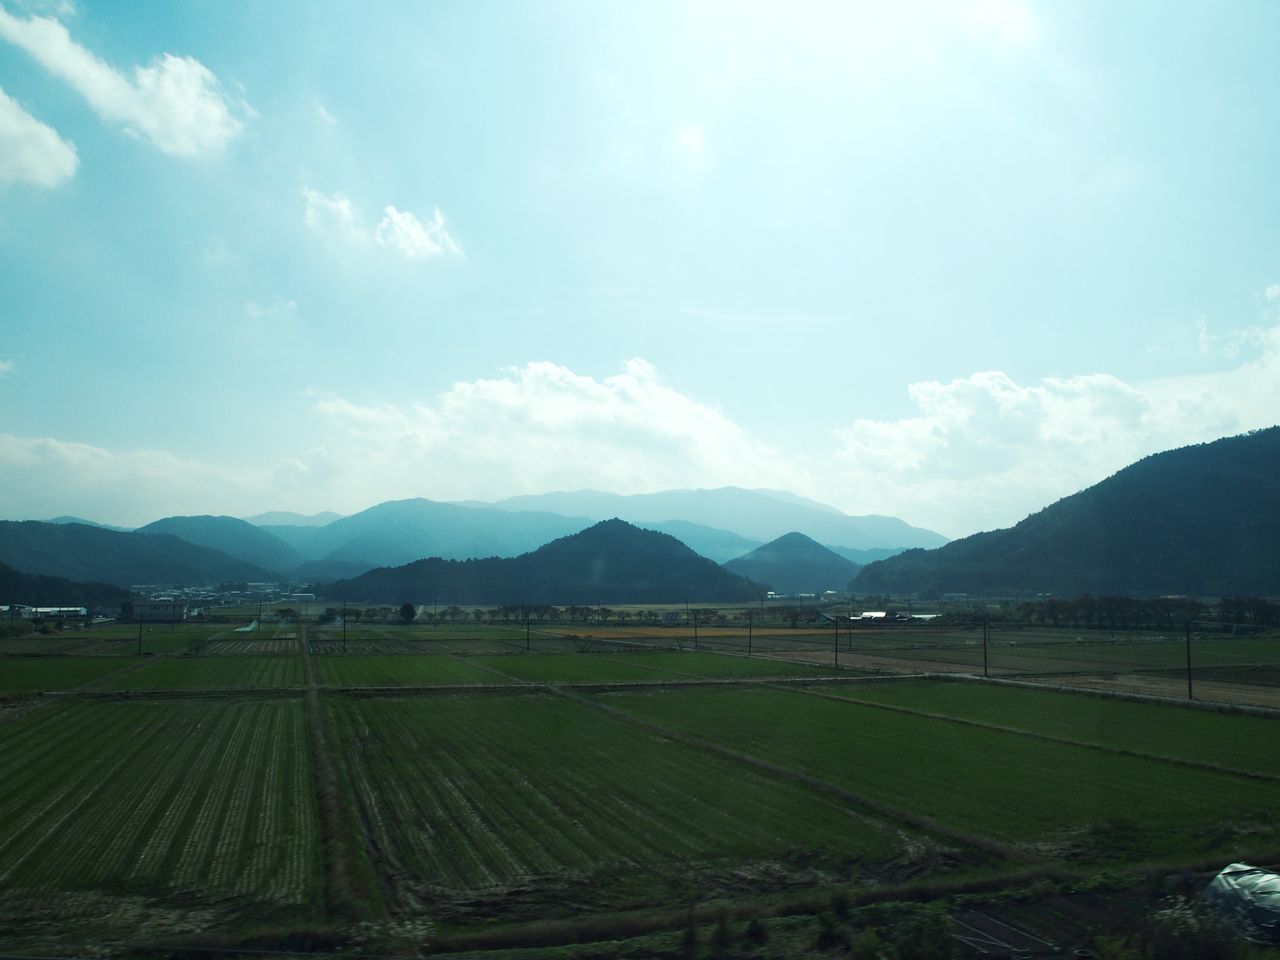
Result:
pixel 28 675
pixel 199 673
pixel 530 798
pixel 1239 742
pixel 389 671
pixel 1046 798
pixel 168 797
pixel 272 782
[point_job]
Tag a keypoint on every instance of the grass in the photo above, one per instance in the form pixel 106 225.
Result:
pixel 55 673
pixel 1050 798
pixel 199 673
pixel 391 671
pixel 548 806
pixel 1235 741
pixel 165 797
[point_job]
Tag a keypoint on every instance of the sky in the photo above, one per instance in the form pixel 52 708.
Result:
pixel 943 261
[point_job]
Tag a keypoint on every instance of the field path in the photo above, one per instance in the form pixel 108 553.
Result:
pixel 348 890
pixel 872 809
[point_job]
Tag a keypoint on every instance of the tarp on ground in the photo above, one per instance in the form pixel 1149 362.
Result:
pixel 1248 898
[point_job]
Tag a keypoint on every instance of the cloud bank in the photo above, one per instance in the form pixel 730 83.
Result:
pixel 978 452
pixel 175 103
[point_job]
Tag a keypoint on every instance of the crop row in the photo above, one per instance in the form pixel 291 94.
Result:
pixel 198 673
pixel 1236 741
pixel 18 675
pixel 160 797
pixel 390 671
pixel 474 794
pixel 1055 798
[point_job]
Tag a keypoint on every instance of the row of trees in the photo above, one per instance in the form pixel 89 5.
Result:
pixel 1130 613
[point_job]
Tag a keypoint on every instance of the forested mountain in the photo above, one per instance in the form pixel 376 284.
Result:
pixel 236 538
pixel 79 552
pixel 35 590
pixel 1200 520
pixel 611 561
pixel 795 563
pixel 759 515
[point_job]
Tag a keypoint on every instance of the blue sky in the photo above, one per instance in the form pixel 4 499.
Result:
pixel 944 261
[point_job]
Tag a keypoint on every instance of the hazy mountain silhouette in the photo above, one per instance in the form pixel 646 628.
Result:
pixel 752 514
pixel 236 538
pixel 795 563
pixel 611 562
pixel 400 531
pixel 1199 520
pixel 80 552
pixel 291 519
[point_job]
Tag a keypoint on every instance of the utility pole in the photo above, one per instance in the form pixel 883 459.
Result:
pixel 1188 629
pixel 344 626
pixel 986 630
pixel 695 629
pixel 139 636
pixel 526 626
pixel 835 647
pixel 749 619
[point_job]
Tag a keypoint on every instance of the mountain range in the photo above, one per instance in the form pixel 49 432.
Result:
pixel 1201 520
pixel 759 515
pixel 83 553
pixel 611 561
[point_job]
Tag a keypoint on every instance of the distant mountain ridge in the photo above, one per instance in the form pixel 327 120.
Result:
pixel 1201 520
pixel 752 514
pixel 611 562
pixel 236 538
pixel 79 552
pixel 794 563
pixel 289 518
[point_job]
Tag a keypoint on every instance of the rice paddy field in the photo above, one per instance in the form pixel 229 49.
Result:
pixel 443 789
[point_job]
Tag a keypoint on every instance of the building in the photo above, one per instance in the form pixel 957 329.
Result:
pixel 162 609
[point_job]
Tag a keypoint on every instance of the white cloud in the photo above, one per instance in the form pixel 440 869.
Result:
pixel 978 452
pixel 1272 293
pixel 984 451
pixel 399 231
pixel 327 118
pixel 543 427
pixel 30 151
pixel 6 367
pixel 176 103
pixel 1231 344
pixel 45 477
pixel 332 215
pixel 408 236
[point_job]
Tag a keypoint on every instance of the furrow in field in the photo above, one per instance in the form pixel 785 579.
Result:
pixel 44 827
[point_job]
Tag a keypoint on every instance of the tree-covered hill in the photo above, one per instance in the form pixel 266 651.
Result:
pixel 1200 520
pixel 610 561
pixel 795 563
pixel 79 552
pixel 236 538
pixel 35 590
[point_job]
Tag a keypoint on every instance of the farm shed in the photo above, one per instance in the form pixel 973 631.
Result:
pixel 1249 899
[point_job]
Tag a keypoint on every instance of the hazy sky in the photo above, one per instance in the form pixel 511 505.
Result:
pixel 948 262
